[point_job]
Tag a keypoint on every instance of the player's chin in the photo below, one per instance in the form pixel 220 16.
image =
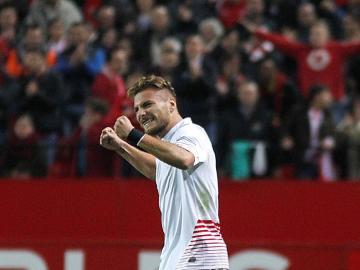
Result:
pixel 152 130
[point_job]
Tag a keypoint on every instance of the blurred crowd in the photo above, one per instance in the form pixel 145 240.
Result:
pixel 276 84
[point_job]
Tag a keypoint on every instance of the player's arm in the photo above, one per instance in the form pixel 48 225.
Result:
pixel 169 153
pixel 145 163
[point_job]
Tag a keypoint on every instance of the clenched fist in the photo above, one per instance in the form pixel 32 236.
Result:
pixel 123 127
pixel 109 139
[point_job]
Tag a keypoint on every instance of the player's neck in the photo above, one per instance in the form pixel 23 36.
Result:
pixel 176 118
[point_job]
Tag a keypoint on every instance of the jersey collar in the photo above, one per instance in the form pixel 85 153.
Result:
pixel 183 122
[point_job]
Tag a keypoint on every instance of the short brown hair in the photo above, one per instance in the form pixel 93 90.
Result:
pixel 150 81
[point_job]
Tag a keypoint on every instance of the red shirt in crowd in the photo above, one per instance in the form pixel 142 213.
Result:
pixel 230 12
pixel 110 87
pixel 316 65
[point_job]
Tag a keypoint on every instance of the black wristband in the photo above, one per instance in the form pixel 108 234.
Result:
pixel 135 136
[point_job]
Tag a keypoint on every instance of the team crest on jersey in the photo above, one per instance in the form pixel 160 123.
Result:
pixel 318 59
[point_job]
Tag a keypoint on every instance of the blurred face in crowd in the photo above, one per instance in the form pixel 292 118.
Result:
pixel 169 57
pixel 24 127
pixel 34 62
pixel 194 47
pixel 119 61
pixel 255 7
pixel 160 19
pixel 106 17
pixel 351 27
pixel 248 94
pixel 207 32
pixel 79 34
pixel 319 35
pixel 125 45
pixel 34 38
pixel 356 109
pixel 267 70
pixel 306 15
pixel 324 99
pixel 109 39
pixel 144 5
pixel 56 30
pixel 231 66
pixel 231 41
pixel 8 18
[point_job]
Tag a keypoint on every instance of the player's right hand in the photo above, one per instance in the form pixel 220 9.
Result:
pixel 109 139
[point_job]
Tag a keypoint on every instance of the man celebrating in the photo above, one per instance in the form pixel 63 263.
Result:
pixel 179 156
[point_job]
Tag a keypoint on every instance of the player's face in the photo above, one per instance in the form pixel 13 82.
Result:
pixel 153 110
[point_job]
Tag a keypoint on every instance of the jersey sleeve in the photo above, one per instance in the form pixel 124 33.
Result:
pixel 194 145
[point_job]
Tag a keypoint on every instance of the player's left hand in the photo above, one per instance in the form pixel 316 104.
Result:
pixel 123 127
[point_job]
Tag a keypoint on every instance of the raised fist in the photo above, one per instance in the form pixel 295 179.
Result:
pixel 123 127
pixel 109 139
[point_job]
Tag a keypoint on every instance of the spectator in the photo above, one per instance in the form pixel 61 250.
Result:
pixel 144 19
pixel 195 84
pixel 351 28
pixel 8 94
pixel 320 62
pixel 352 34
pixel 196 10
pixel 108 41
pixel 41 93
pixel 41 96
pixel 149 42
pixel 34 39
pixel 8 27
pixel 255 13
pixel 169 59
pixel 306 18
pixel 185 19
pixel 105 18
pixel 124 13
pixel 229 45
pixel 56 41
pixel 276 90
pixel 109 84
pixel 107 34
pixel 348 142
pixel 309 135
pixel 240 129
pixel 42 12
pixel 80 154
pixel 211 32
pixel 228 81
pixel 23 156
pixel 80 62
pixel 329 11
pixel 231 11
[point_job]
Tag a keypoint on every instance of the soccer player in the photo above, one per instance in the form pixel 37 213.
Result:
pixel 179 156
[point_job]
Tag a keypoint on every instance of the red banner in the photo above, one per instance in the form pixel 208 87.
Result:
pixel 90 225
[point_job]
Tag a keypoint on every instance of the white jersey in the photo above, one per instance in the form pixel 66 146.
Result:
pixel 189 205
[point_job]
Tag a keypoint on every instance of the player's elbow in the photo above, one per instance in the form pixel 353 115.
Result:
pixel 187 162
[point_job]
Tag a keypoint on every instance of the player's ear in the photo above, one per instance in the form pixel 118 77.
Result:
pixel 172 103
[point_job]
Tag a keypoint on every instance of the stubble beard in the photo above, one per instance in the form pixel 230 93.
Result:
pixel 157 130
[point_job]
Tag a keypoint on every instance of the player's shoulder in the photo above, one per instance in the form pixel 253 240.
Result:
pixel 192 130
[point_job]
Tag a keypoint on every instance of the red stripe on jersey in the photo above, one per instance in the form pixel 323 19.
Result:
pixel 207 246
